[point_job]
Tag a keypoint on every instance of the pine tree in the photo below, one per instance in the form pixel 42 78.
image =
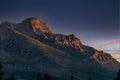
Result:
pixel 12 76
pixel 72 78
pixel 47 76
pixel 38 76
pixel 118 76
pixel 1 72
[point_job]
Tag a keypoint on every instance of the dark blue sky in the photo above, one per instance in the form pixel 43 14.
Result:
pixel 91 20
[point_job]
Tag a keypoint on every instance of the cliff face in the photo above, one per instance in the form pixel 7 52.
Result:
pixel 31 42
pixel 37 25
pixel 106 60
pixel 40 28
pixel 103 58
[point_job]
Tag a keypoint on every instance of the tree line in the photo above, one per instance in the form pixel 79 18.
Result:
pixel 46 76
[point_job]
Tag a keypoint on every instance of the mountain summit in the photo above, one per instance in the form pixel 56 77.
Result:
pixel 37 25
pixel 30 46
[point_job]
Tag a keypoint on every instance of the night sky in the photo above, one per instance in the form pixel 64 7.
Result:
pixel 93 21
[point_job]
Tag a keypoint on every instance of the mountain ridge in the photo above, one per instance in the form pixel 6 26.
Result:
pixel 43 45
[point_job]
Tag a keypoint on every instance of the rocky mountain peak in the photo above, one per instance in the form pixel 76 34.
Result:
pixel 30 43
pixel 37 25
pixel 32 19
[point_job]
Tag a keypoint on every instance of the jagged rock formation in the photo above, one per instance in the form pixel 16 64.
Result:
pixel 106 60
pixel 37 25
pixel 33 45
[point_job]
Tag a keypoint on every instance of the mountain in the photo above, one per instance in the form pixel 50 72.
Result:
pixel 30 46
pixel 110 46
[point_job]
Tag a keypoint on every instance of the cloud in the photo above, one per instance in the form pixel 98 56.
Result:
pixel 108 45
pixel 116 56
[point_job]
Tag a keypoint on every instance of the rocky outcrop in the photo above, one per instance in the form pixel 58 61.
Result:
pixel 37 25
pixel 103 58
pixel 66 40
pixel 106 60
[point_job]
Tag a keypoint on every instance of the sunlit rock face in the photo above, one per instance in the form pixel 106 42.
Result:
pixel 32 27
pixel 67 40
pixel 37 25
